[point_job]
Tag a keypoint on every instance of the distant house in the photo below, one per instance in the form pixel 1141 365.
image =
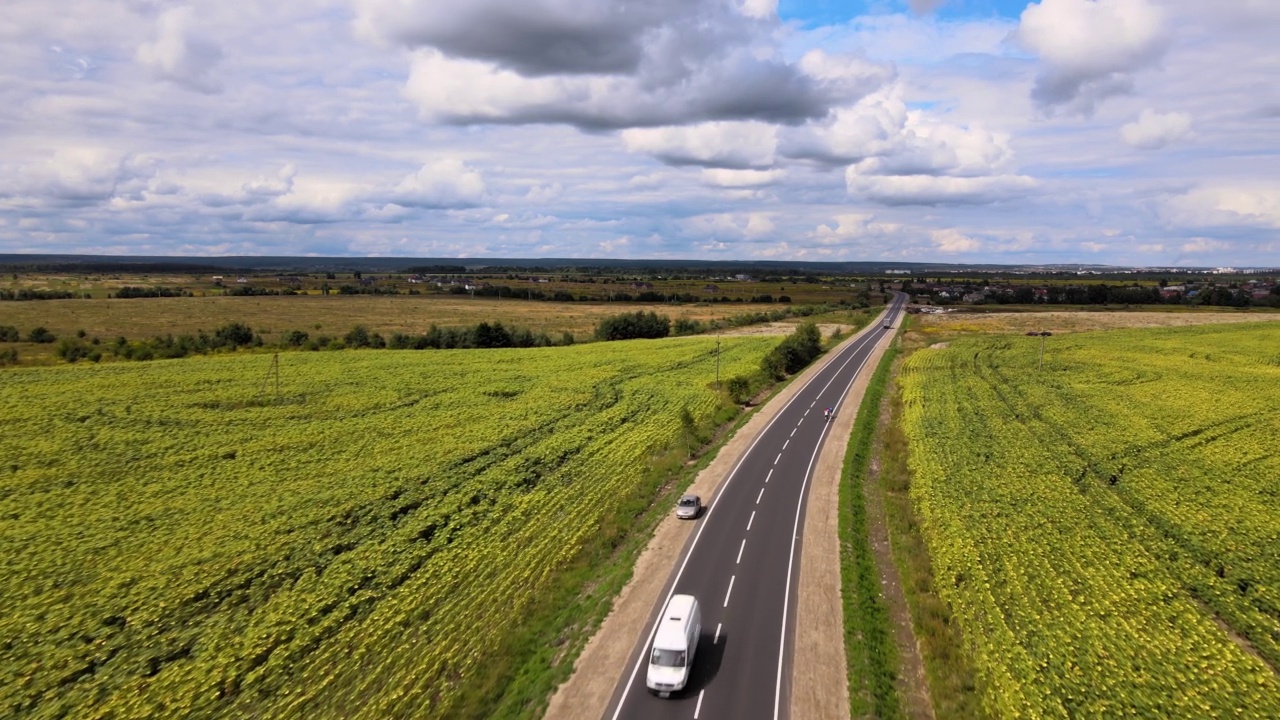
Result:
pixel 217 279
pixel 1040 293
pixel 743 277
pixel 710 289
pixel 642 285
pixel 242 279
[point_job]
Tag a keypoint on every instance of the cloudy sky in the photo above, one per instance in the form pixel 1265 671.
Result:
pixel 1142 132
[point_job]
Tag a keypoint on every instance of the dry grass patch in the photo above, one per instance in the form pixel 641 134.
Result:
pixel 1065 321
pixel 271 316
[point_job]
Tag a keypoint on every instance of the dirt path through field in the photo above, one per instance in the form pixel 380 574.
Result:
pixel 818 668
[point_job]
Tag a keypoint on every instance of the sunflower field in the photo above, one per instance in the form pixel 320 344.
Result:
pixel 1104 519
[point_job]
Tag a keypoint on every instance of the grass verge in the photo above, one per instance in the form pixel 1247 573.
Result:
pixel 869 649
pixel 950 674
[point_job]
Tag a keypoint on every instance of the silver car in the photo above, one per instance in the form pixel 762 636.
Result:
pixel 689 507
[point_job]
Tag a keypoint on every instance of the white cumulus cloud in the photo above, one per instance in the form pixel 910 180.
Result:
pixel 1153 130
pixel 446 183
pixel 738 145
pixel 951 240
pixel 720 177
pixel 1090 49
pixel 180 53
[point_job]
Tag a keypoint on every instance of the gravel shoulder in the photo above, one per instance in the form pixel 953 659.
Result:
pixel 819 664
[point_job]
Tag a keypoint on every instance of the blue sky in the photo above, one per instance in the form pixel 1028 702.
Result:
pixel 1128 132
pixel 816 13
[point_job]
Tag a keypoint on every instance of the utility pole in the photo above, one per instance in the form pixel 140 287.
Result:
pixel 1043 334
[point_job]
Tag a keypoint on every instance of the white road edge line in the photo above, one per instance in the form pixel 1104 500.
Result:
pixel 729 592
pixel 698 708
pixel 641 655
pixel 741 547
pixel 795 531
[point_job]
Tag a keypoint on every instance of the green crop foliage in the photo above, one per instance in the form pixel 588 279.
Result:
pixel 1104 526
pixel 366 545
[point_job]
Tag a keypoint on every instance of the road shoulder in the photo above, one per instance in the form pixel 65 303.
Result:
pixel 819 671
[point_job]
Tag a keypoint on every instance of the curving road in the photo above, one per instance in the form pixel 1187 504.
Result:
pixel 740 562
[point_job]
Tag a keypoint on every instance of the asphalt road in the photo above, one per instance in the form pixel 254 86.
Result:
pixel 741 563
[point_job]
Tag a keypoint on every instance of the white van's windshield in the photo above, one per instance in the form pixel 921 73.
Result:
pixel 667 658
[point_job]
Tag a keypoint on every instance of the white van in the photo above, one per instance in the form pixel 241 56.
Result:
pixel 674 645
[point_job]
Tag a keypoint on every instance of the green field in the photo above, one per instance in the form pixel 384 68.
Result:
pixel 1104 527
pixel 380 541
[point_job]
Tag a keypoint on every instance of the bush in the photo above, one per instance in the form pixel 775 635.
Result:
pixel 296 338
pixel 9 356
pixel 740 389
pixel 129 291
pixel 41 335
pixel 233 335
pixel 629 326
pixel 9 333
pixel 685 326
pixel 72 350
pixel 795 352
pixel 357 338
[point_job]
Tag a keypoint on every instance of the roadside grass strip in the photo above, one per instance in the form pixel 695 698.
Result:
pixel 869 646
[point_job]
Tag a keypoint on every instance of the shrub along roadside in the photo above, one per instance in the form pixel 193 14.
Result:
pixel 869 647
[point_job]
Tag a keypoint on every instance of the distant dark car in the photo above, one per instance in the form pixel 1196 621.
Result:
pixel 888 326
pixel 689 507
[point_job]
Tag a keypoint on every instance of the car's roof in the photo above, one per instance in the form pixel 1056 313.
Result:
pixel 688 499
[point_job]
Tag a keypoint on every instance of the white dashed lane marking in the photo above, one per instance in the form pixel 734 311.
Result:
pixel 730 590
pixel 758 498
pixel 751 519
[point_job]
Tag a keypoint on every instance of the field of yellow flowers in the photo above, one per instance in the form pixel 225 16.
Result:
pixel 178 542
pixel 1103 523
